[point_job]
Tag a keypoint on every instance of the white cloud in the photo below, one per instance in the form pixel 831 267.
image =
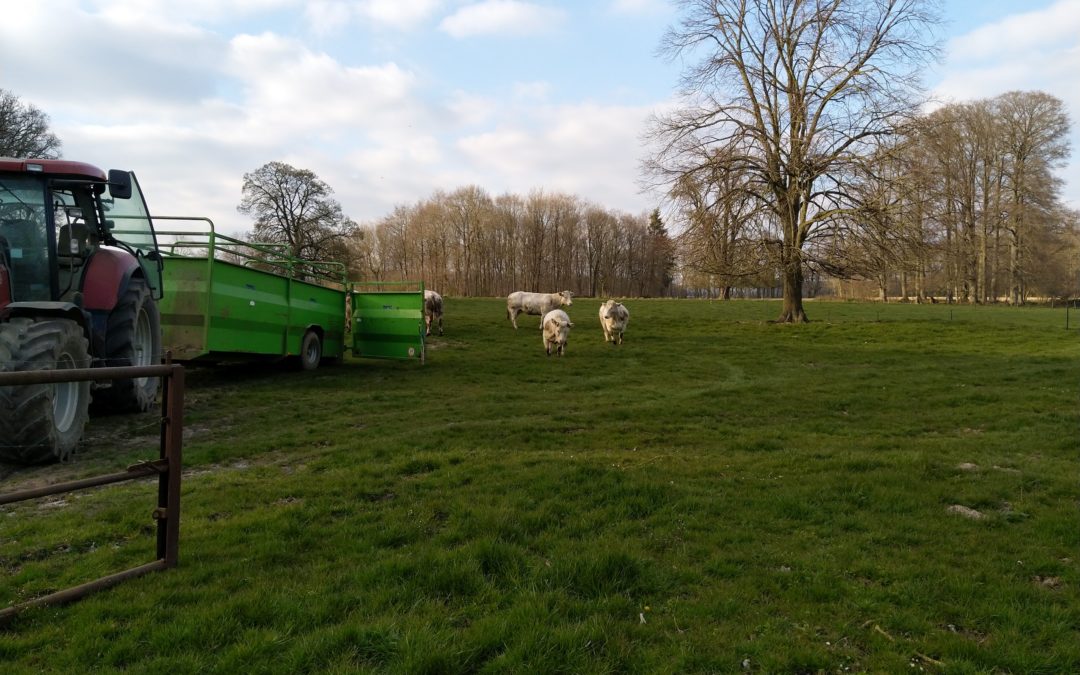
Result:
pixel 291 91
pixel 127 64
pixel 399 13
pixel 501 17
pixel 1019 33
pixel 189 11
pixel 327 16
pixel 470 110
pixel 589 150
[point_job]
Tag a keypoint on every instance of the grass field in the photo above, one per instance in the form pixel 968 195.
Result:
pixel 719 494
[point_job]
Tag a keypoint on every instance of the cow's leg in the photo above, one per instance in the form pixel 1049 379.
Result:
pixel 440 324
pixel 513 314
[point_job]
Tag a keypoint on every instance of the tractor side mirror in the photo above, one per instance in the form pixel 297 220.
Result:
pixel 119 184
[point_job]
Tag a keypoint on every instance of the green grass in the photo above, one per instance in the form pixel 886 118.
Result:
pixel 768 494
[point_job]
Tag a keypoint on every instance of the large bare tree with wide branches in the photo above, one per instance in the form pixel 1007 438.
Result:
pixel 790 96
pixel 295 208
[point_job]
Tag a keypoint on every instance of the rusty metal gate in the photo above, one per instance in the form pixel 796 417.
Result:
pixel 167 468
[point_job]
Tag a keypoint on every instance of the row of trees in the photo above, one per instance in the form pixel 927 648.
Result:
pixel 467 242
pixel 799 151
pixel 963 203
pixel 976 202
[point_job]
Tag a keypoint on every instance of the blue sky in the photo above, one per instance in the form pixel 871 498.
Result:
pixel 390 100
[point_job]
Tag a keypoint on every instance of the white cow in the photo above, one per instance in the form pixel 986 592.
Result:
pixel 556 326
pixel 613 319
pixel 432 310
pixel 521 302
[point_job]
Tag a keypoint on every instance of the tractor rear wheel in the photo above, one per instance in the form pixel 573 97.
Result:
pixel 42 422
pixel 132 338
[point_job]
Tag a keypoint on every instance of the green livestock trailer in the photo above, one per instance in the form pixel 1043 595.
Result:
pixel 226 300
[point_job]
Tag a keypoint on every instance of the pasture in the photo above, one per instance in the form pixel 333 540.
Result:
pixel 717 494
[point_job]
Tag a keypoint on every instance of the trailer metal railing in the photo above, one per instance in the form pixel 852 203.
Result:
pixel 167 468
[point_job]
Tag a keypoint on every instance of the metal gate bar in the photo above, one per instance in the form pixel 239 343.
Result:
pixel 167 467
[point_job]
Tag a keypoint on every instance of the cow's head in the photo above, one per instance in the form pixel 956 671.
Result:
pixel 567 298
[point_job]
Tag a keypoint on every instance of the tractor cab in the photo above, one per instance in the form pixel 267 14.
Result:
pixel 54 216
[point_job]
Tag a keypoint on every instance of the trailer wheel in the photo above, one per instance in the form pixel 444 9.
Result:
pixel 310 351
pixel 132 338
pixel 42 422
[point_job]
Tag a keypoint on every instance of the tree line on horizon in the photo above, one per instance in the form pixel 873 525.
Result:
pixel 466 242
pixel 962 204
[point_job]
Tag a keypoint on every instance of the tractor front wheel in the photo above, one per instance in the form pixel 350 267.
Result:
pixel 132 338
pixel 42 422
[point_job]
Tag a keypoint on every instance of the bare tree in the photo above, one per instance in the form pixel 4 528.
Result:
pixel 792 93
pixel 1035 131
pixel 293 207
pixel 24 130
pixel 464 211
pixel 719 237
pixel 600 233
pixel 882 238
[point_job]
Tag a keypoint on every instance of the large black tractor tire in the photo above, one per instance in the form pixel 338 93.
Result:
pixel 132 338
pixel 42 422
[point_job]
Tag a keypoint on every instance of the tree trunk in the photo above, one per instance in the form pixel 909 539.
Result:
pixel 793 282
pixel 1014 276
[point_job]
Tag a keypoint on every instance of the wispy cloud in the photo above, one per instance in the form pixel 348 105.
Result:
pixel 399 13
pixel 589 150
pixel 502 18
pixel 1016 34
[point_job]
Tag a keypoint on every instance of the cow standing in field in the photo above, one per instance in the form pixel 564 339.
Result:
pixel 613 319
pixel 556 326
pixel 432 310
pixel 521 302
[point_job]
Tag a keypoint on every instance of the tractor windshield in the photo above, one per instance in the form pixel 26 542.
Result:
pixel 131 224
pixel 24 237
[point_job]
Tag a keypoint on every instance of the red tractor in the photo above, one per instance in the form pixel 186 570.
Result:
pixel 80 275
